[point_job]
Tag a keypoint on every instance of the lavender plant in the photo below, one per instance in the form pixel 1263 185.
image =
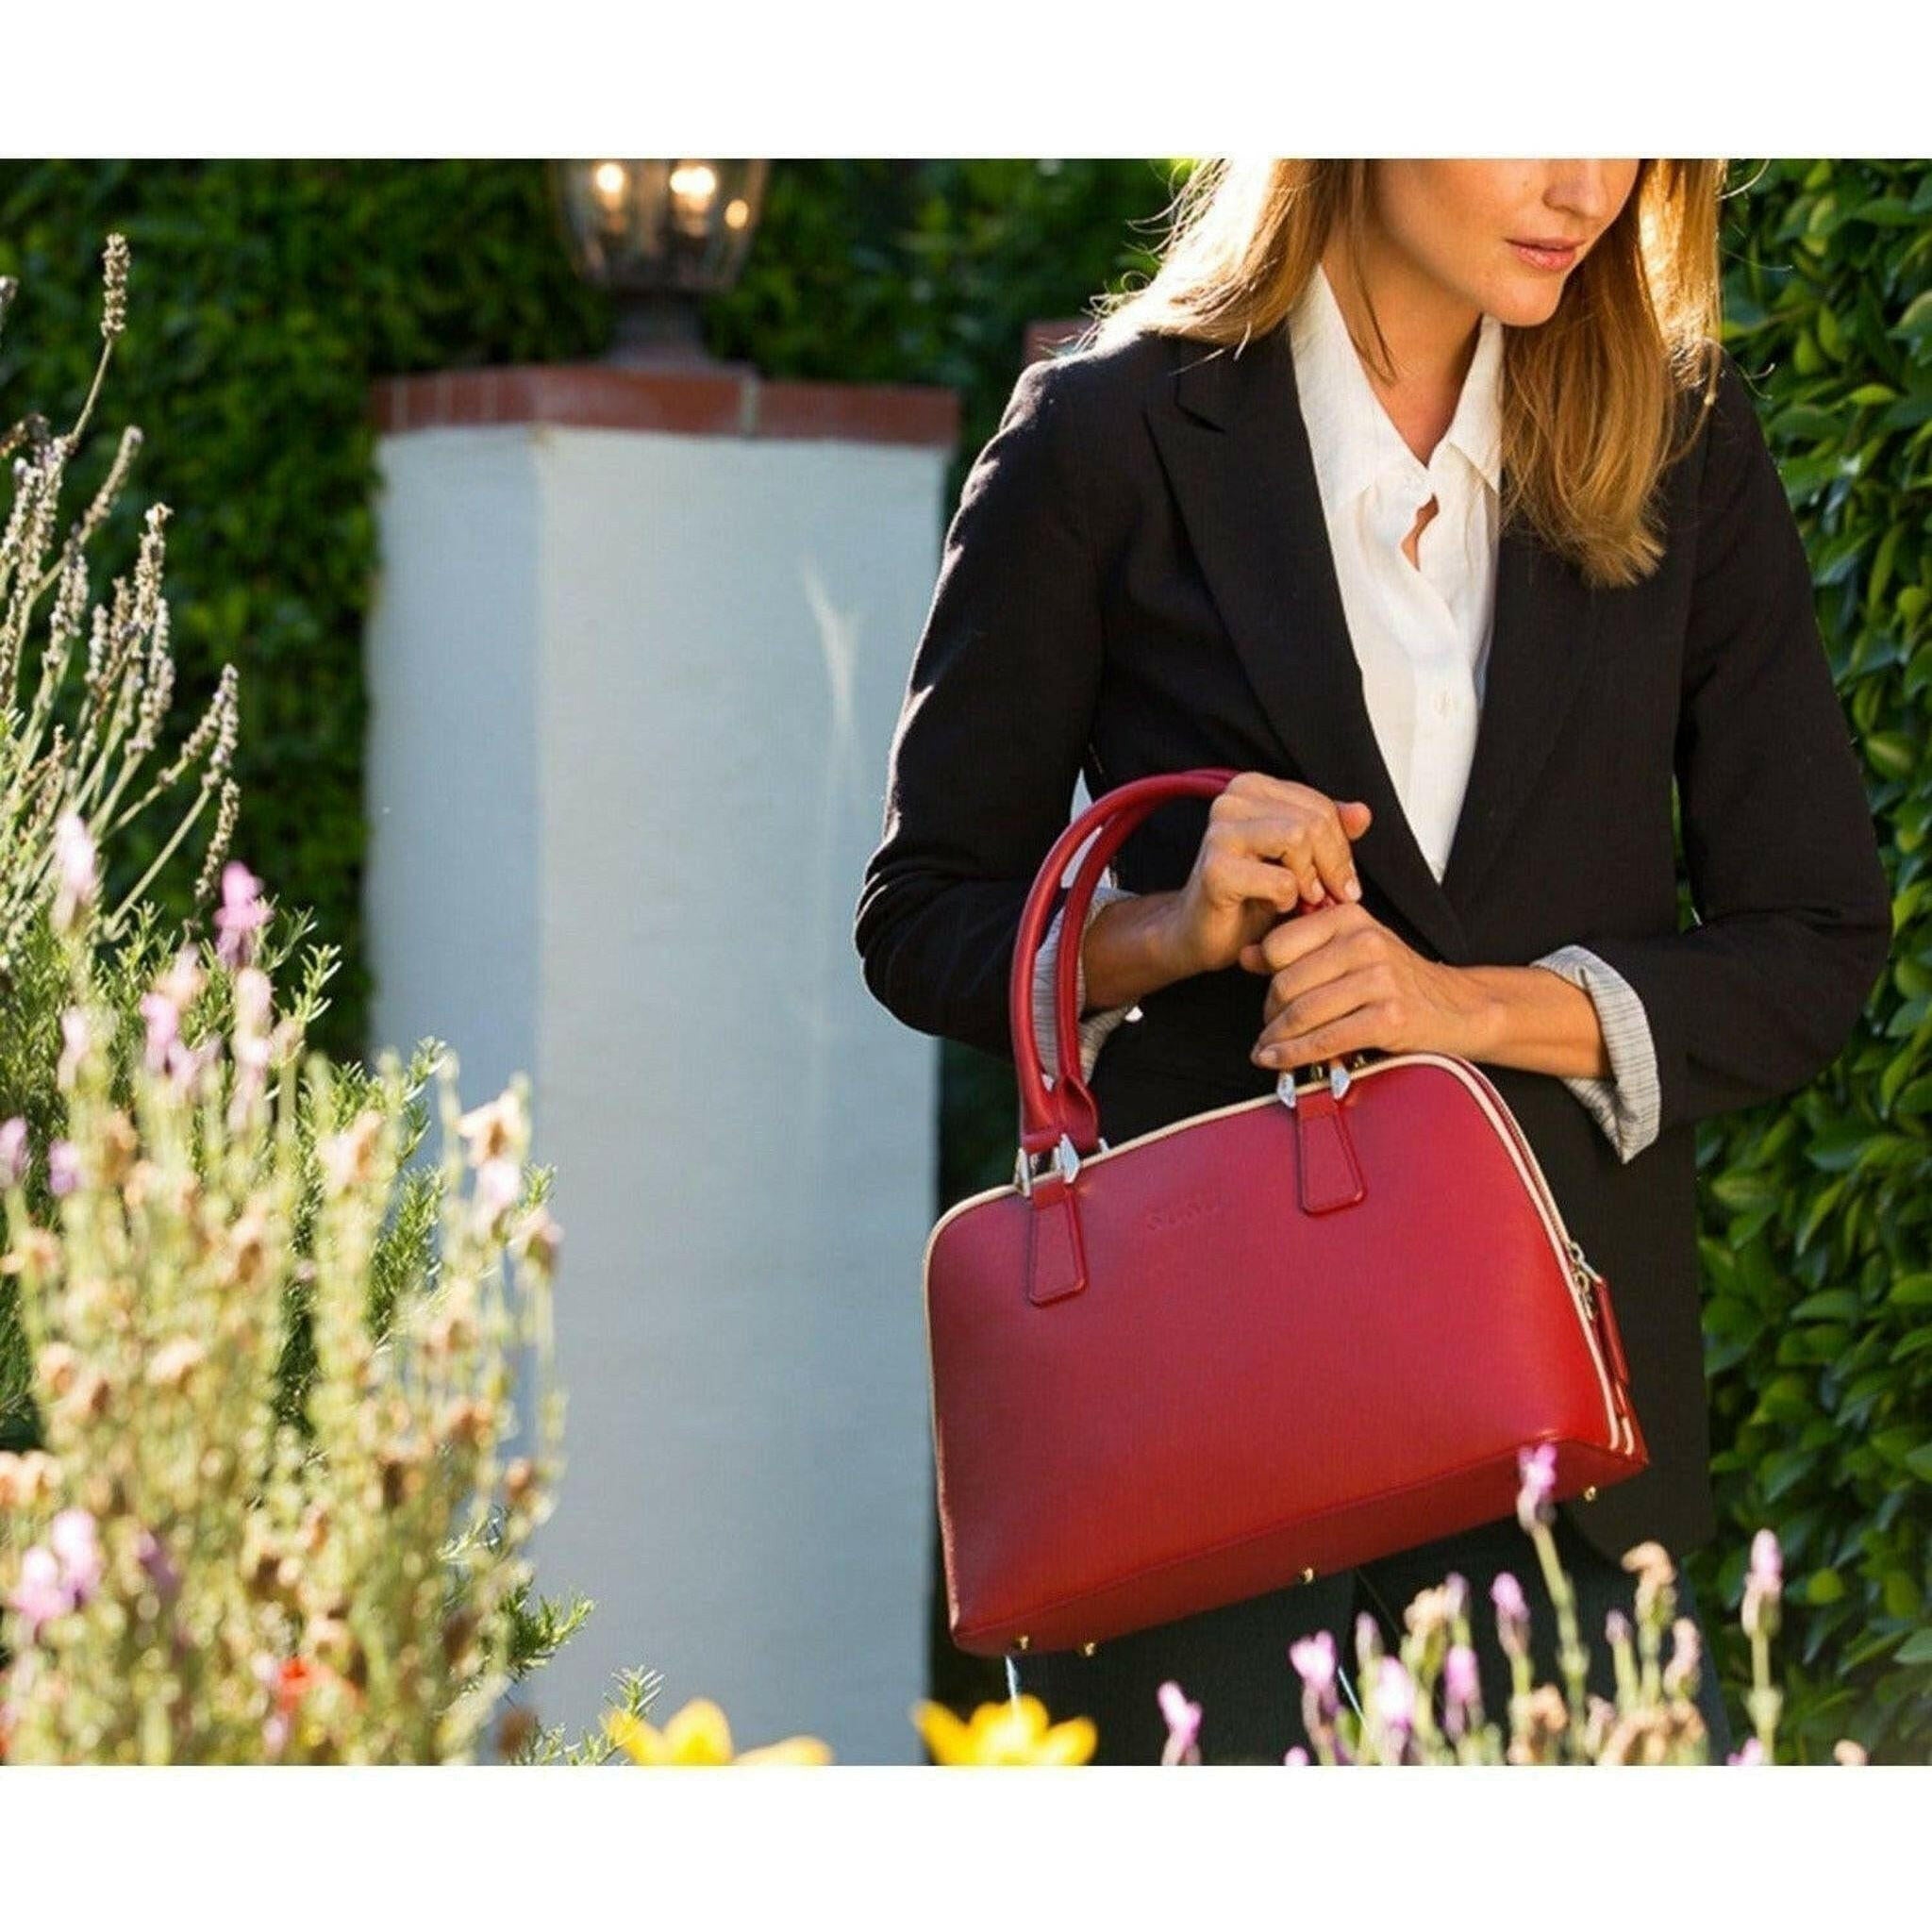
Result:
pixel 1654 1718
pixel 189 1572
pixel 83 740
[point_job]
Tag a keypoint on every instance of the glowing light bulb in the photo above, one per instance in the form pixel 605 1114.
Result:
pixel 694 181
pixel 611 181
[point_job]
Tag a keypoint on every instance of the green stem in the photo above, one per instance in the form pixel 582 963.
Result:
pixel 112 926
pixel 1571 1653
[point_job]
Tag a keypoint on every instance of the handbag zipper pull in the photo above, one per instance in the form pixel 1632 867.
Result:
pixel 1585 1276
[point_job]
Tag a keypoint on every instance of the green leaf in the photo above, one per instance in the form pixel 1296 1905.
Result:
pixel 1825 1586
pixel 1834 1305
pixel 1912 1291
pixel 1892 754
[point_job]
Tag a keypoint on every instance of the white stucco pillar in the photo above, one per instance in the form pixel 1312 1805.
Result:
pixel 634 662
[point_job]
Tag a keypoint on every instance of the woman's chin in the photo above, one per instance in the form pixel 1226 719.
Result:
pixel 1525 301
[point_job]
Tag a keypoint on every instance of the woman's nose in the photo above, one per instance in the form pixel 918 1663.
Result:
pixel 1586 188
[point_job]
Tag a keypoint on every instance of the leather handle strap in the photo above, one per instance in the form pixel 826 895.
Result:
pixel 1066 1004
pixel 1066 1110
pixel 1046 1115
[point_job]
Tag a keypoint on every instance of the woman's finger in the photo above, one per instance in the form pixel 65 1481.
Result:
pixel 1311 995
pixel 1307 835
pixel 1239 874
pixel 1300 826
pixel 1344 1024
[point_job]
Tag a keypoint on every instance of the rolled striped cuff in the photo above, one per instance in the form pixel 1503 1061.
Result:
pixel 1626 1105
pixel 1094 1029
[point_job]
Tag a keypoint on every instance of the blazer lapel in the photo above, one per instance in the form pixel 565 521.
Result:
pixel 1235 450
pixel 1540 643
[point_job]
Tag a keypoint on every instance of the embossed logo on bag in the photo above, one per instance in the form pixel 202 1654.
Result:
pixel 1173 1214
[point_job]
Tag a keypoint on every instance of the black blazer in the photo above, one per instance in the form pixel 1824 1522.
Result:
pixel 1138 579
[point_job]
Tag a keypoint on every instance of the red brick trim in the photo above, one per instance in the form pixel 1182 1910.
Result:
pixel 682 402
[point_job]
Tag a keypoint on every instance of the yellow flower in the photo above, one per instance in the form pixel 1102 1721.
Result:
pixel 1012 1732
pixel 699 1734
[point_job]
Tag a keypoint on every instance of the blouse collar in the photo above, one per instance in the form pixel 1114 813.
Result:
pixel 1354 441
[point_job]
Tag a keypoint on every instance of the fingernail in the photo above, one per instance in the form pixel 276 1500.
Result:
pixel 1354 887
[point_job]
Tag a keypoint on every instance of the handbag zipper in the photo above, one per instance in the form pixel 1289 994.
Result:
pixel 1583 1277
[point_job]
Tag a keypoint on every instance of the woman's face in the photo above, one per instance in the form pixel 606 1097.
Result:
pixel 1470 226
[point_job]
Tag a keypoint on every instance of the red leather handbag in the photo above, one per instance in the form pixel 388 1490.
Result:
pixel 1255 1345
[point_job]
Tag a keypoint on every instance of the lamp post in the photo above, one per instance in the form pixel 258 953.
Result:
pixel 661 236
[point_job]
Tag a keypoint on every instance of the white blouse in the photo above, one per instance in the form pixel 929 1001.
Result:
pixel 1421 636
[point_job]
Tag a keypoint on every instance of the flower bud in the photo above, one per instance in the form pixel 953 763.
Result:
pixel 1183 1726
pixel 1537 1483
pixel 56 1367
pixel 175 1362
pixel 1512 1614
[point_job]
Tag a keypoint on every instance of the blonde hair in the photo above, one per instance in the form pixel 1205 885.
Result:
pixel 1593 399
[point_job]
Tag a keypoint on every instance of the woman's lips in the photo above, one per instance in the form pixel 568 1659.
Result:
pixel 1546 256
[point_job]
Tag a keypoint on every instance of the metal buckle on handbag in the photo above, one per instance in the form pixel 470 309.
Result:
pixel 1338 1077
pixel 1066 1159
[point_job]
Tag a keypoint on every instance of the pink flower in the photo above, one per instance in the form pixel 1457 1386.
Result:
pixel 1295 1755
pixel 1763 1586
pixel 1183 1726
pixel 1368 1636
pixel 186 1064
pixel 1616 1628
pixel 1512 1613
pixel 61 1575
pixel 1537 1469
pixel 1314 1660
pixel 1456 1588
pixel 41 1594
pixel 163 1019
pixel 156 1567
pixel 63 1166
pixel 73 1035
pixel 73 1540
pixel 74 852
pixel 1461 1680
pixel 74 858
pixel 1395 1696
pixel 240 916
pixel 498 1184
pixel 1752 1752
pixel 13 1152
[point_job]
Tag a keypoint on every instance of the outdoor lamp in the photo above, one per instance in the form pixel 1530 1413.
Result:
pixel 661 236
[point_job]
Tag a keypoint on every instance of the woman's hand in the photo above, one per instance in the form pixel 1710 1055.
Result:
pixel 1270 842
pixel 1341 981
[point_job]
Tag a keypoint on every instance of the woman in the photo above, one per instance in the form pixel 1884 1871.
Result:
pixel 1421 494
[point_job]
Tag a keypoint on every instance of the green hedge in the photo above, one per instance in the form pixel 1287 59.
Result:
pixel 264 296
pixel 1816 1209
pixel 267 295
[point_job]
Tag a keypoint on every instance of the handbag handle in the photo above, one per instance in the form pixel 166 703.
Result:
pixel 1066 1111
